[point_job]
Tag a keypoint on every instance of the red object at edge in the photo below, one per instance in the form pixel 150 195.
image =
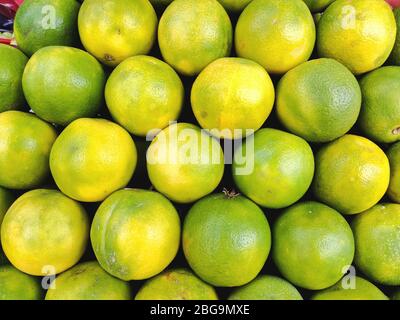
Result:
pixel 394 3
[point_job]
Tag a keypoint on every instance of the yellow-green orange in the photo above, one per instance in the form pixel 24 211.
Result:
pixel 235 103
pixel 16 285
pixel 113 30
pixel 42 23
pixel 267 288
pixel 319 100
pixel 380 115
pixel 176 284
pixel 185 163
pixel 377 238
pixel 226 239
pixel 12 64
pixel 358 33
pixel 393 155
pixel 25 144
pixel 135 234
pixel 234 5
pixel 144 94
pixel 193 33
pixel 88 281
pixel 343 290
pixel 44 232
pixel 351 175
pixel 273 168
pixel 62 84
pixel 312 244
pixel 277 34
pixel 92 158
pixel 317 5
pixel 395 55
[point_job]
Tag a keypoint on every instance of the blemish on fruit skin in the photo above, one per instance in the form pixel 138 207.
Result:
pixel 203 114
pixel 396 131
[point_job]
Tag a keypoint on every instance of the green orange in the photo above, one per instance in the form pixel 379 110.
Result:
pixel 12 64
pixel 44 232
pixel 377 238
pixel 267 288
pixel 88 281
pixel 235 104
pixel 92 158
pixel 25 143
pixel 62 84
pixel 185 163
pixel 193 33
pixel 352 174
pixel 312 245
pixel 113 30
pixel 144 94
pixel 362 290
pixel 394 159
pixel 226 239
pixel 135 234
pixel 234 5
pixel 319 100
pixel 317 5
pixel 42 23
pixel 273 168
pixel 395 55
pixel 277 34
pixel 358 33
pixel 6 199
pixel 380 116
pixel 16 285
pixel 176 284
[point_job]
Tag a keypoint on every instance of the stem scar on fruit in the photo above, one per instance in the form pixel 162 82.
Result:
pixel 230 194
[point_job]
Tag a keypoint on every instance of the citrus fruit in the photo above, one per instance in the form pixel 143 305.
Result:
pixel 312 245
pixel 135 234
pixel 239 101
pixel 176 284
pixel 319 100
pixel 396 295
pixel 73 82
pixel 12 64
pixel 88 281
pixel 351 174
pixel 143 94
pixel 273 168
pixel 92 158
pixel 185 163
pixel 226 239
pixel 113 30
pixel 16 285
pixel 193 33
pixel 363 290
pixel 266 288
pixel 377 238
pixel 277 34
pixel 25 143
pixel 44 232
pixel 395 55
pixel 42 23
pixel 234 5
pixel 317 5
pixel 380 116
pixel 394 159
pixel 358 33
pixel 6 199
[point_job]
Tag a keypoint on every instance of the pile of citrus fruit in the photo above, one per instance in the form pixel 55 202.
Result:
pixel 201 149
